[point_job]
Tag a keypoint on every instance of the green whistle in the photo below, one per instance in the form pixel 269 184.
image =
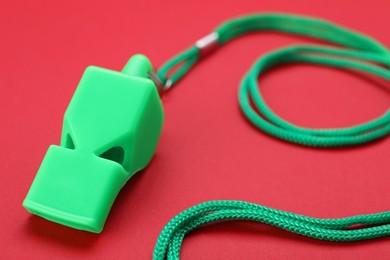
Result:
pixel 110 131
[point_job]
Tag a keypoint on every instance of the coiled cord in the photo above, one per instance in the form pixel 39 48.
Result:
pixel 360 53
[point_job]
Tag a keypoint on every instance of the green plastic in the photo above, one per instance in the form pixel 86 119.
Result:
pixel 110 131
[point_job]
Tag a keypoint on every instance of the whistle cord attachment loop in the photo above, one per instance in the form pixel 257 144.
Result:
pixel 360 53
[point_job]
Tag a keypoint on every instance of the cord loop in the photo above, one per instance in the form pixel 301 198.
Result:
pixel 360 53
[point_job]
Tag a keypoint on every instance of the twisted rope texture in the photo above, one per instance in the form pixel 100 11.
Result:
pixel 357 52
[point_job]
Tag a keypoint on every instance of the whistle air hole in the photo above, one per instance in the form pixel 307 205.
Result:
pixel 115 154
pixel 69 142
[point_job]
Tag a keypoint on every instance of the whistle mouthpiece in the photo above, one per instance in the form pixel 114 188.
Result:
pixel 110 131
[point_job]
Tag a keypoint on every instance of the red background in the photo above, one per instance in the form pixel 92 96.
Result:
pixel 207 150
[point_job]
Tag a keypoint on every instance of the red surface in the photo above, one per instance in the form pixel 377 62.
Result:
pixel 207 150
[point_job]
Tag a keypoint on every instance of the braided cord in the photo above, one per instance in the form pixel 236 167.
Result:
pixel 362 54
pixel 170 240
pixel 359 52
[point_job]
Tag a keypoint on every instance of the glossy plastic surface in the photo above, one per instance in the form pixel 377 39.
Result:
pixel 110 131
pixel 207 149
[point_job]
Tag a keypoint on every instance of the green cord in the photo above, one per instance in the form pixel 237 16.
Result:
pixel 362 53
pixel 171 238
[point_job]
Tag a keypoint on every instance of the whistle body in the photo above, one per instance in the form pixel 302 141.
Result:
pixel 110 131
